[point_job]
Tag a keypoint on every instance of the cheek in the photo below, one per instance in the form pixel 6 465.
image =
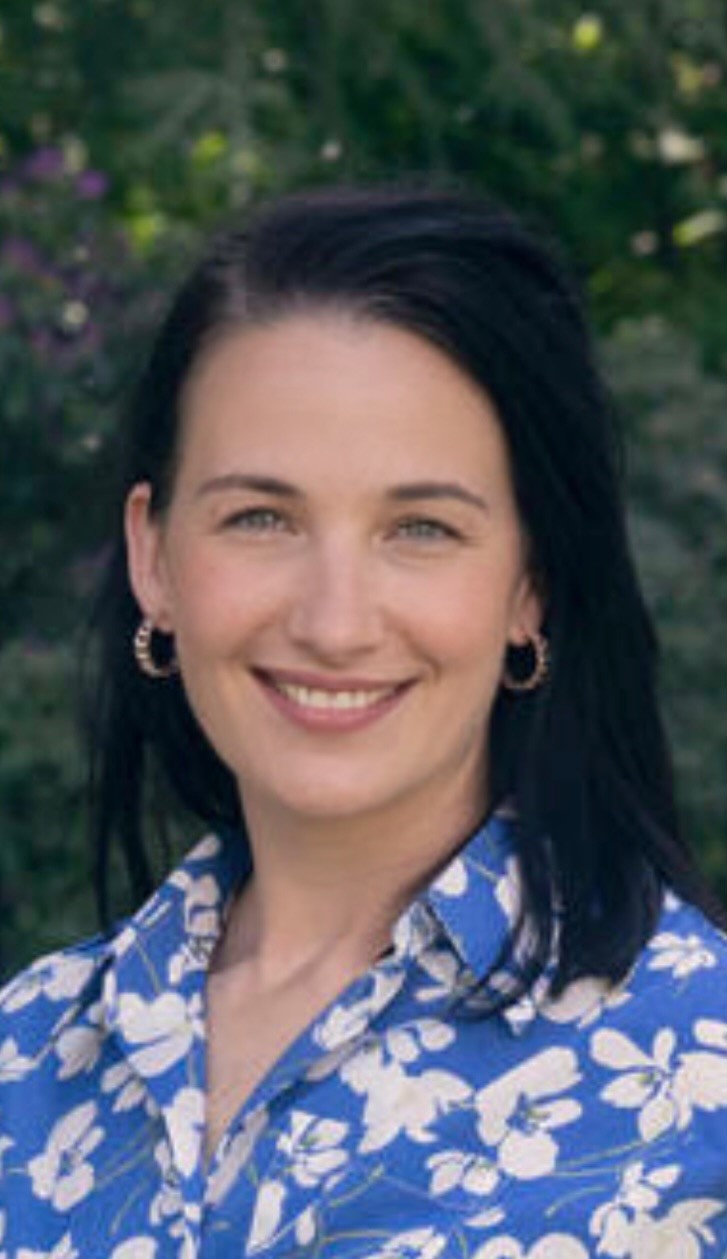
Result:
pixel 215 604
pixel 464 623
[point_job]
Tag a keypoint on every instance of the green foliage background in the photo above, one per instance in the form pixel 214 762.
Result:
pixel 129 128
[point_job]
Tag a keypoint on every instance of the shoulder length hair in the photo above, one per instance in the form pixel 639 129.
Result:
pixel 583 759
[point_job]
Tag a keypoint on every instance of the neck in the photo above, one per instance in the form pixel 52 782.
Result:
pixel 332 889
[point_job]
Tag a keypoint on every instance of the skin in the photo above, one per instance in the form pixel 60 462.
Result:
pixel 389 554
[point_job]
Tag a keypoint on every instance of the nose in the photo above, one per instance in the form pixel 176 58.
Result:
pixel 335 614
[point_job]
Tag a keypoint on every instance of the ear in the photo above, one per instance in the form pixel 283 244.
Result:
pixel 528 611
pixel 145 551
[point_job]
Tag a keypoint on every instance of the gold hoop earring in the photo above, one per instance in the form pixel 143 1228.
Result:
pixel 144 656
pixel 538 645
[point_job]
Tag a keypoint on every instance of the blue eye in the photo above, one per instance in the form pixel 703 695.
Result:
pixel 422 527
pixel 256 520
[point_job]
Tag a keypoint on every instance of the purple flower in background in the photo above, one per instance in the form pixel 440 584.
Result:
pixel 91 185
pixel 18 251
pixel 22 254
pixel 47 163
pixel 42 342
pixel 6 312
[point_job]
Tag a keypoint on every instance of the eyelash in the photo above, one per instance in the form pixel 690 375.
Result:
pixel 269 520
pixel 256 520
pixel 422 527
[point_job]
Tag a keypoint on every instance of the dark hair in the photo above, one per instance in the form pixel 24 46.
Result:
pixel 583 759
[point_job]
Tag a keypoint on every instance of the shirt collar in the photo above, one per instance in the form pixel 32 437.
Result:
pixel 476 897
pixel 153 998
pixel 472 905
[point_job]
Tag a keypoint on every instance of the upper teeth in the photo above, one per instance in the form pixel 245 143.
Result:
pixel 309 697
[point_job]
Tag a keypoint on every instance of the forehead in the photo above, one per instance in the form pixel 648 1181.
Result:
pixel 316 387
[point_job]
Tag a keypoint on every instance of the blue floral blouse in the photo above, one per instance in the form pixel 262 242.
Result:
pixel 399 1125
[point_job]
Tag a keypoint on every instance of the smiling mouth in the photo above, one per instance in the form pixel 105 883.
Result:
pixel 329 699
pixel 309 697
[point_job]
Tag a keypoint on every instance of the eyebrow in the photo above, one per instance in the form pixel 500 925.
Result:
pixel 411 491
pixel 415 490
pixel 248 481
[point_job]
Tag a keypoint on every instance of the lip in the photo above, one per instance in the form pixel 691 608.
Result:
pixel 325 682
pixel 329 719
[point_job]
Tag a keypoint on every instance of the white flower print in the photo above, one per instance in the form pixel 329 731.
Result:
pixel 164 1029
pixel 638 1194
pixel 202 909
pixel 508 891
pixel 711 1032
pixel 451 979
pixel 63 1173
pixel 346 1021
pixel 677 1235
pixel 407 1043
pixel 128 938
pixel 266 1230
pixel 416 930
pixel 306 1226
pixel 415 1243
pixel 682 955
pixel 60 977
pixel 553 1246
pixel 266 1215
pixel 313 1158
pixel 701 1078
pixel 453 880
pixel 313 1148
pixel 234 1155
pixel 487 1219
pixel 167 1205
pixel 584 1002
pixel 78 1048
pixel 135 1248
pixel 206 850
pixel 14 1065
pixel 122 1080
pixel 203 921
pixel 185 1119
pixel 519 1112
pixel 405 1132
pixel 646 1082
pixel 458 1169
pixel 664 1087
pixel 399 1103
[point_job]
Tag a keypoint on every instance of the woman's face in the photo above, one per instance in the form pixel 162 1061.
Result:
pixel 342 566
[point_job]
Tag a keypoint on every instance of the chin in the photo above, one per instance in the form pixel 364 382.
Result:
pixel 323 801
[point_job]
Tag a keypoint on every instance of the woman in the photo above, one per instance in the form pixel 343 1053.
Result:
pixel 442 981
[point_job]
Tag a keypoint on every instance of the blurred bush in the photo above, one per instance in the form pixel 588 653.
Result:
pixel 44 884
pixel 675 415
pixel 75 309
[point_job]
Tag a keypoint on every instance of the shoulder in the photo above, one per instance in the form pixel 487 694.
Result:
pixel 676 987
pixel 659 1038
pixel 51 1027
pixel 68 999
pixel 676 994
pixel 686 957
pixel 650 1053
pixel 49 996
